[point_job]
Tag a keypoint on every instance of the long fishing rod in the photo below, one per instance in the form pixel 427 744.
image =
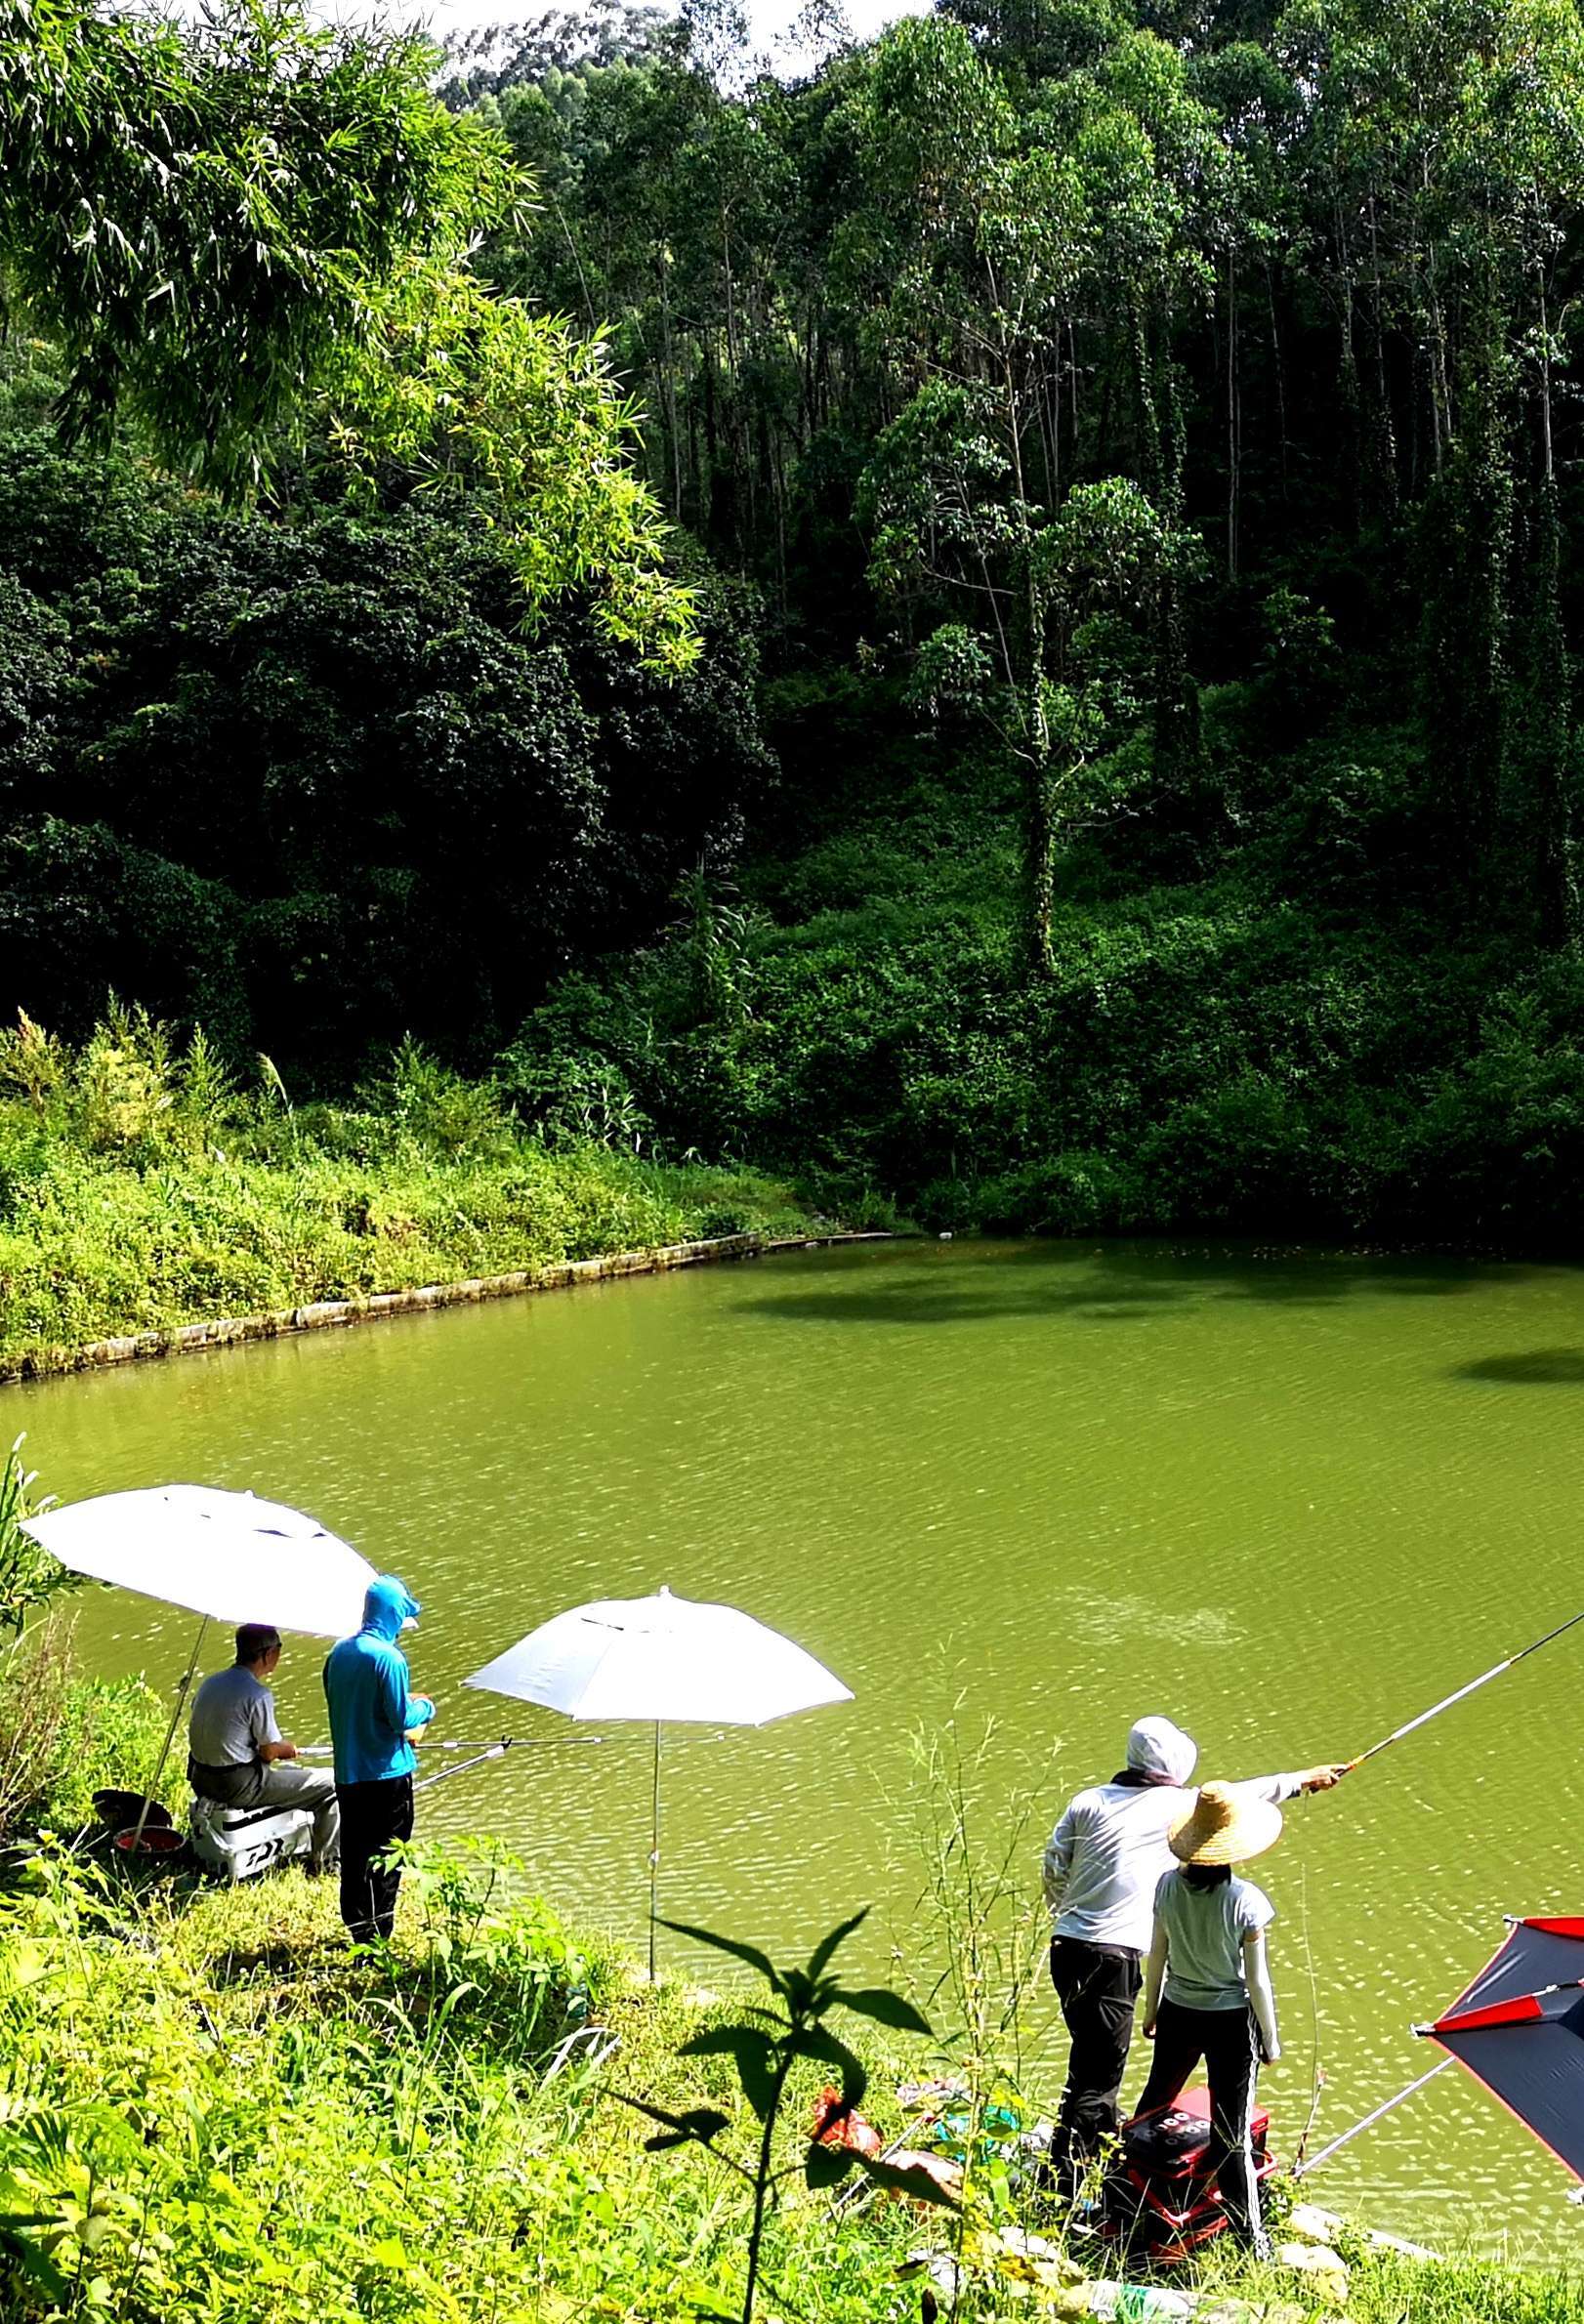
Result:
pixel 322 1750
pixel 496 1751
pixel 1472 1687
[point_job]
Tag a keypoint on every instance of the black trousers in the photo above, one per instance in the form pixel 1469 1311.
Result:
pixel 1097 1986
pixel 1229 2041
pixel 372 1815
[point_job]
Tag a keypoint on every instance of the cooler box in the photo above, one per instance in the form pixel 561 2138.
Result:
pixel 1159 2196
pixel 240 1842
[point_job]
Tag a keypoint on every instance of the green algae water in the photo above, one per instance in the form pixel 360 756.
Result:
pixel 1288 1499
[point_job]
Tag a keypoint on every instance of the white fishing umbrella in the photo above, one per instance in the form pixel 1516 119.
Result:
pixel 225 1556
pixel 662 1660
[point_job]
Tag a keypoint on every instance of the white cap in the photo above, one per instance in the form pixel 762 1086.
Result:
pixel 1156 1747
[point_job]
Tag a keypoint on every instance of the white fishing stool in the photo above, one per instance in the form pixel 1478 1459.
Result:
pixel 240 1843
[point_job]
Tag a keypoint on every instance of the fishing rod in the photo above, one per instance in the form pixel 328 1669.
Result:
pixel 496 1751
pixel 1472 1687
pixel 479 1750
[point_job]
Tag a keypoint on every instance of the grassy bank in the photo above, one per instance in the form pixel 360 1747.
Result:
pixel 140 1188
pixel 215 2112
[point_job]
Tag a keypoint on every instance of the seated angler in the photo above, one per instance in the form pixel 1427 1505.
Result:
pixel 237 1755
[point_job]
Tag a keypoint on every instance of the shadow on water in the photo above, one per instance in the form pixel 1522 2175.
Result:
pixel 1542 1367
pixel 1117 1284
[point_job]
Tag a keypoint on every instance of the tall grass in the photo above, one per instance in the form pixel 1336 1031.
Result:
pixel 141 1187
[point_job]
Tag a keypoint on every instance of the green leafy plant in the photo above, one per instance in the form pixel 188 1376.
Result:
pixel 29 1575
pixel 436 1109
pixel 765 2044
pixel 490 1952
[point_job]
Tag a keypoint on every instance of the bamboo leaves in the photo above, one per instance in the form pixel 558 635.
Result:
pixel 249 232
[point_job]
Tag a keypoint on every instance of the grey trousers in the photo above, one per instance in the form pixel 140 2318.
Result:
pixel 282 1783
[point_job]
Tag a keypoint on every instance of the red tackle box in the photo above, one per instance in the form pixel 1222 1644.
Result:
pixel 1160 2196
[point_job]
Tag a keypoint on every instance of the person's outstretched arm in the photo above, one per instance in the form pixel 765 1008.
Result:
pixel 1278 1788
pixel 1262 2000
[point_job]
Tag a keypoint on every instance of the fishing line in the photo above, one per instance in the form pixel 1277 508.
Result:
pixel 1318 2070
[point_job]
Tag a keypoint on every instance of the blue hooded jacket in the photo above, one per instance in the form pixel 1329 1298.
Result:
pixel 365 1685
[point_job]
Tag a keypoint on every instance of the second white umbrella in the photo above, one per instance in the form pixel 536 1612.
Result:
pixel 661 1659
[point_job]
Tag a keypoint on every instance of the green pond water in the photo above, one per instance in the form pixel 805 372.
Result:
pixel 1287 1499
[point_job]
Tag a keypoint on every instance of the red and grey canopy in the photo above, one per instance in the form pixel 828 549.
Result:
pixel 1520 2029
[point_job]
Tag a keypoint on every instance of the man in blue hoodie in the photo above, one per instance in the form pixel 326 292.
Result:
pixel 372 1714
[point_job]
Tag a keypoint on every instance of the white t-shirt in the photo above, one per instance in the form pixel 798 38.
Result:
pixel 1205 1928
pixel 1103 1861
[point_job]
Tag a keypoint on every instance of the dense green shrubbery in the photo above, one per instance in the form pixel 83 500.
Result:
pixel 226 2118
pixel 1287 1043
pixel 311 783
pixel 140 1188
pixel 63 1736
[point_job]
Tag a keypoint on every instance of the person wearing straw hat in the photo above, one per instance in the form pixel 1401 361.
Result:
pixel 1207 1986
pixel 1101 1866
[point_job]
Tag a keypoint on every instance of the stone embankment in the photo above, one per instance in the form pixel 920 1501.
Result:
pixel 230 1330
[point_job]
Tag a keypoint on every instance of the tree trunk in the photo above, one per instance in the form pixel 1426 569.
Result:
pixel 1549 735
pixel 1040 846
pixel 1468 535
pixel 1235 428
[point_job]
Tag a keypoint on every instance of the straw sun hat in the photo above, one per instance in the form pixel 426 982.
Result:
pixel 1228 1823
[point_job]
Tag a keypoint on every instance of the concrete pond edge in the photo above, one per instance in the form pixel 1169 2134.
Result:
pixel 230 1330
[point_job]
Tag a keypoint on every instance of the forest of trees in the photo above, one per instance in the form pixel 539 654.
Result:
pixel 1078 729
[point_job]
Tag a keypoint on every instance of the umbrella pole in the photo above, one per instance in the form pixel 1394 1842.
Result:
pixel 170 1732
pixel 655 1854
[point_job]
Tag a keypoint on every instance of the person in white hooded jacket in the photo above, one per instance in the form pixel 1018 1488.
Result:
pixel 1103 1864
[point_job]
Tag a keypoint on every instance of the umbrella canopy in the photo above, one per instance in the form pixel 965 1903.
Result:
pixel 1520 2029
pixel 661 1659
pixel 228 1555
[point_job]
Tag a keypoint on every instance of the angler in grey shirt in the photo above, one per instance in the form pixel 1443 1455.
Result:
pixel 1101 1866
pixel 237 1755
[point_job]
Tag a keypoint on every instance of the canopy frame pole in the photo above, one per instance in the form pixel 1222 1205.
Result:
pixel 654 1855
pixel 1302 2169
pixel 170 1732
